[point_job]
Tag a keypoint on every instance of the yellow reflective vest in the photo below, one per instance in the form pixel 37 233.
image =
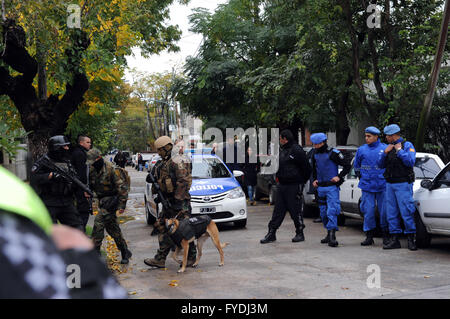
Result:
pixel 19 198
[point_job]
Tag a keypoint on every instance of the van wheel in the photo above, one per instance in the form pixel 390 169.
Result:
pixel 423 238
pixel 272 194
pixel 257 194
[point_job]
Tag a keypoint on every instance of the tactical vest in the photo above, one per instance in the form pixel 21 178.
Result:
pixel 189 228
pixel 326 168
pixel 19 198
pixel 396 171
pixel 166 178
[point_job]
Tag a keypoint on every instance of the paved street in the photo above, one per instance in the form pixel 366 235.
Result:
pixel 282 269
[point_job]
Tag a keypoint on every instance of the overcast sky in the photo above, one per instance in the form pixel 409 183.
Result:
pixel 189 42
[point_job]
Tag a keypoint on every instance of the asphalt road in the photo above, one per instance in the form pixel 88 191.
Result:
pixel 283 270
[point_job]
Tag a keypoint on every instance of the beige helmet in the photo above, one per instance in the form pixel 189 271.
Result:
pixel 163 141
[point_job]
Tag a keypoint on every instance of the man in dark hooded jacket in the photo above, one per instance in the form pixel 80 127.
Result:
pixel 294 170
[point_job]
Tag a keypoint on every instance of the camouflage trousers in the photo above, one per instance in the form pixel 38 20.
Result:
pixel 107 220
pixel 165 242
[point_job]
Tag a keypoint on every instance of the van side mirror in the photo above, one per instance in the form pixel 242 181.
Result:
pixel 426 183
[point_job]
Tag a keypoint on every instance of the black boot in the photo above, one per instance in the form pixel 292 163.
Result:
pixel 126 254
pixel 386 237
pixel 369 239
pixel 333 242
pixel 270 237
pixel 299 236
pixel 393 243
pixel 326 240
pixel 412 242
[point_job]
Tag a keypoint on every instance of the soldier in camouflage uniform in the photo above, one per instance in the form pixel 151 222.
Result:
pixel 173 174
pixel 112 191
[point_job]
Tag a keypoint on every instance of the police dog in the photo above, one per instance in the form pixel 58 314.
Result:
pixel 173 225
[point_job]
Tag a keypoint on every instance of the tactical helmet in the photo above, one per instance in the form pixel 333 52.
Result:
pixel 92 155
pixel 57 142
pixel 56 149
pixel 163 141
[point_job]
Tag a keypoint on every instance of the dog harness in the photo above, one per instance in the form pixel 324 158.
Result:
pixel 188 228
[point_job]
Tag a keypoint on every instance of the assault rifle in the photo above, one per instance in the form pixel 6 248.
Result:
pixel 161 198
pixel 66 175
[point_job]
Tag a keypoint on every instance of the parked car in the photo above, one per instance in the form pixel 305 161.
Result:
pixel 155 158
pixel 127 155
pixel 266 180
pixel 432 202
pixel 214 191
pixel 426 167
pixel 146 157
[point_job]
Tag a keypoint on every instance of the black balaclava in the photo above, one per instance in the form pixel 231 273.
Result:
pixel 98 164
pixel 166 151
pixel 323 148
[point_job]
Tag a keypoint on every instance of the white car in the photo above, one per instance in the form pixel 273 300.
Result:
pixel 214 192
pixel 426 167
pixel 432 202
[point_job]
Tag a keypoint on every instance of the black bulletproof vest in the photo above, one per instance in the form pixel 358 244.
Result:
pixel 188 228
pixel 396 171
pixel 288 171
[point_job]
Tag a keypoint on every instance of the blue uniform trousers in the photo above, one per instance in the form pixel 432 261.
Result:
pixel 329 205
pixel 400 202
pixel 369 202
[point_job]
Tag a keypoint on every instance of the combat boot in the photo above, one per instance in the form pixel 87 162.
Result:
pixel 326 240
pixel 412 242
pixel 153 262
pixel 393 243
pixel 386 237
pixel 369 239
pixel 270 237
pixel 333 242
pixel 126 255
pixel 299 236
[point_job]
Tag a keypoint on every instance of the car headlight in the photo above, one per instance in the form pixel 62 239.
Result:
pixel 236 193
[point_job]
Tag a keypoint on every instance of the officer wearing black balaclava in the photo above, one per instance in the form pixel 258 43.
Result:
pixel 56 192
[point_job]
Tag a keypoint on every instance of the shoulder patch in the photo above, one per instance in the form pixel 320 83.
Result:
pixel 411 149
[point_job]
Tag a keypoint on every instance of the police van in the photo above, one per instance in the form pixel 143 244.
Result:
pixel 214 192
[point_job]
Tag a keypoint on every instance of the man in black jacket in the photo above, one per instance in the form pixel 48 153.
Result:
pixel 294 170
pixel 78 160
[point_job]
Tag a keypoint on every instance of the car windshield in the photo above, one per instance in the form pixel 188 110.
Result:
pixel 208 168
pixel 426 168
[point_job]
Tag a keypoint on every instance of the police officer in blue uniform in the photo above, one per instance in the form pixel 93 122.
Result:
pixel 372 184
pixel 325 162
pixel 398 159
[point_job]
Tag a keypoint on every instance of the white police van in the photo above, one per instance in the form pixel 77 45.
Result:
pixel 214 192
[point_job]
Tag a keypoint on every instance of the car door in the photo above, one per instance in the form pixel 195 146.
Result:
pixel 346 193
pixel 435 203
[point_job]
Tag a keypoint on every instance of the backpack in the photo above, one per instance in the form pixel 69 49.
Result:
pixel 123 174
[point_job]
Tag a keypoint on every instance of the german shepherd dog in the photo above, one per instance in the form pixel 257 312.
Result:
pixel 173 225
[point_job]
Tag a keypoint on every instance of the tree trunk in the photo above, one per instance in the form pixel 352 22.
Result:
pixel 42 116
pixel 342 126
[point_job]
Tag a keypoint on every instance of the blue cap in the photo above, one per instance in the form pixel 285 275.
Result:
pixel 372 130
pixel 318 138
pixel 391 129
